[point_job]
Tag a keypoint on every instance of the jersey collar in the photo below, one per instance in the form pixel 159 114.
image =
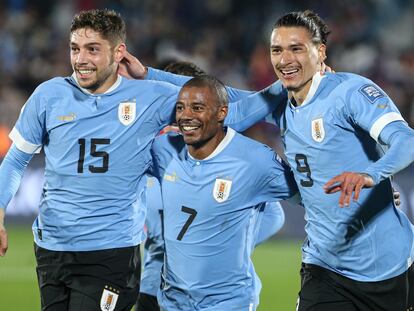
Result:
pixel 223 144
pixel 316 81
pixel 112 88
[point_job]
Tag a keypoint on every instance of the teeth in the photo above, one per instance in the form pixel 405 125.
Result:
pixel 85 71
pixel 189 128
pixel 290 71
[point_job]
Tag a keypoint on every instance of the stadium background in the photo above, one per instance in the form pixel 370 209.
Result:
pixel 227 38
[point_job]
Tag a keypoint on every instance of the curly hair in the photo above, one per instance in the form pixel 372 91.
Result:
pixel 107 22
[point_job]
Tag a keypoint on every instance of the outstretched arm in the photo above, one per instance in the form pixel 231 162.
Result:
pixel 11 172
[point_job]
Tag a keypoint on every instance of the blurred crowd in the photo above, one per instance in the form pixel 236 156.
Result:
pixel 228 38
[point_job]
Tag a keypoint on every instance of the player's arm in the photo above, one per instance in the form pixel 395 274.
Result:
pixel 11 172
pixel 385 124
pixel 131 68
pixel 272 221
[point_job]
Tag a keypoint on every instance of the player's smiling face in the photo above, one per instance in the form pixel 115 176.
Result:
pixel 199 118
pixel 93 60
pixel 295 57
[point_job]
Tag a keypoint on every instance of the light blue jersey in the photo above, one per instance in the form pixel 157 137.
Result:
pixel 97 150
pixel 211 209
pixel 336 130
pixel 154 245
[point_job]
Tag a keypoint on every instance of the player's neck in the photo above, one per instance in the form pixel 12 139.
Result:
pixel 299 95
pixel 202 151
pixel 108 83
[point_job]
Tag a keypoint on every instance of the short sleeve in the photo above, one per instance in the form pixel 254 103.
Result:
pixel 29 132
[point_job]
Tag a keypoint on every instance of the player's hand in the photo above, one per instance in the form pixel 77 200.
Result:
pixel 326 68
pixel 3 241
pixel 131 68
pixel 348 183
pixel 396 196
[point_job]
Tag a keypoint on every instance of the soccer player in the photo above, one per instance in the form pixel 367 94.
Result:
pixel 360 257
pixel 334 127
pixel 96 129
pixel 214 183
pixel 270 220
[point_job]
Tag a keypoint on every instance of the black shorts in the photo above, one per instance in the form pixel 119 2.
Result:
pixel 147 303
pixel 84 281
pixel 325 290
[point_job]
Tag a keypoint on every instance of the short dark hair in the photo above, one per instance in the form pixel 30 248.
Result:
pixel 107 22
pixel 184 68
pixel 215 85
pixel 309 20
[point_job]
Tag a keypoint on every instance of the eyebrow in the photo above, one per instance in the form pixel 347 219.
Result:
pixel 87 44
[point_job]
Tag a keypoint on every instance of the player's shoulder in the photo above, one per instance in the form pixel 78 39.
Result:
pixel 251 149
pixel 150 86
pixel 54 86
pixel 170 142
pixel 346 81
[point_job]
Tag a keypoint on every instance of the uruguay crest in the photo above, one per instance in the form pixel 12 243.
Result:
pixel 108 299
pixel 127 112
pixel 221 190
pixel 318 131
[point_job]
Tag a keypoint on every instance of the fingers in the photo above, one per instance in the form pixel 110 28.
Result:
pixel 3 242
pixel 349 183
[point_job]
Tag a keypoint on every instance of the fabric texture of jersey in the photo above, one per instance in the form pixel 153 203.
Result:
pixel 154 245
pixel 211 208
pixel 334 131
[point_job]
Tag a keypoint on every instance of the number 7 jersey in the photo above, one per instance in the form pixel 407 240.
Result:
pixel 211 208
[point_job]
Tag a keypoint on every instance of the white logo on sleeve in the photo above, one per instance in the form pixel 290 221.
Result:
pixel 109 299
pixel 221 190
pixel 127 112
pixel 318 131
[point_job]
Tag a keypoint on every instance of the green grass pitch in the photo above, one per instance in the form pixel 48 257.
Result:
pixel 276 262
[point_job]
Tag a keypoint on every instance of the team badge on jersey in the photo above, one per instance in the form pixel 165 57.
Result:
pixel 221 190
pixel 109 298
pixel 371 92
pixel 127 112
pixel 318 131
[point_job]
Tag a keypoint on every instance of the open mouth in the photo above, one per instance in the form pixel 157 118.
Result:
pixel 188 129
pixel 289 73
pixel 85 73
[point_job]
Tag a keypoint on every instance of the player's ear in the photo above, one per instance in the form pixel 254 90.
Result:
pixel 322 53
pixel 119 53
pixel 222 112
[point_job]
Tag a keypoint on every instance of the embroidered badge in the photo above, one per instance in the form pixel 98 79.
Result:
pixel 371 92
pixel 221 190
pixel 318 131
pixel 127 112
pixel 109 298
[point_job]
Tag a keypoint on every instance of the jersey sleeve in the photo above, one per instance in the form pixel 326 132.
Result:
pixel 371 108
pixel 277 181
pixel 166 103
pixel 11 172
pixel 250 109
pixel 179 80
pixel 30 130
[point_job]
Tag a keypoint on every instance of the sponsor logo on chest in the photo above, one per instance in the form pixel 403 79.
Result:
pixel 318 130
pixel 221 190
pixel 127 112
